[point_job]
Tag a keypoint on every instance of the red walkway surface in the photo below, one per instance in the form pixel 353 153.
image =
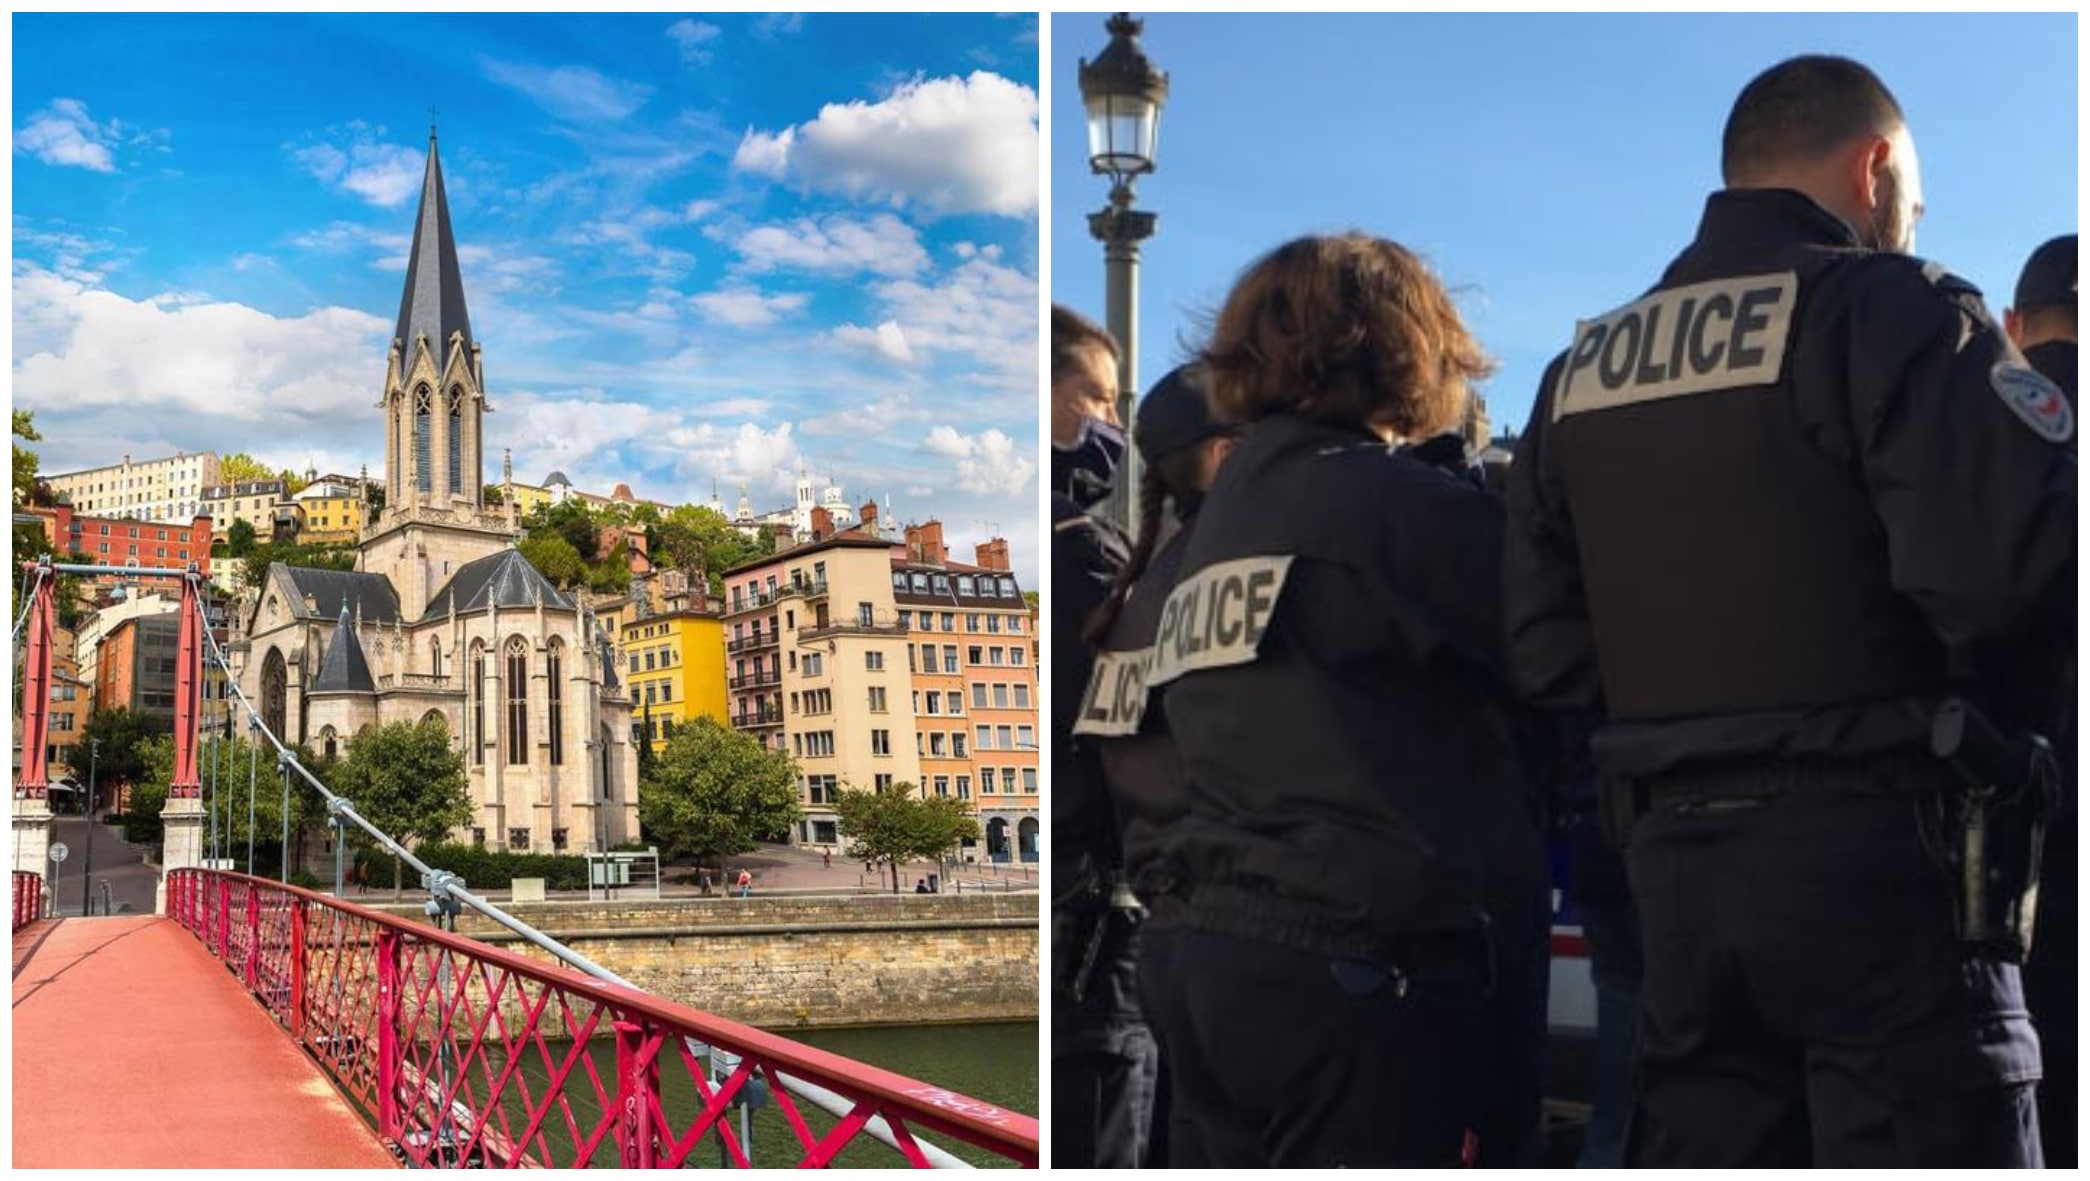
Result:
pixel 133 1048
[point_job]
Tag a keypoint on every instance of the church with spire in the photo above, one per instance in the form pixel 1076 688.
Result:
pixel 442 617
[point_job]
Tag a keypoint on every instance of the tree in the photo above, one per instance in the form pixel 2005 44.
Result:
pixel 713 790
pixel 227 767
pixel 240 540
pixel 405 779
pixel 25 459
pixel 124 736
pixel 554 558
pixel 891 827
pixel 242 468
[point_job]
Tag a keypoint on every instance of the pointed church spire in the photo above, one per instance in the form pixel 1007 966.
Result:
pixel 433 302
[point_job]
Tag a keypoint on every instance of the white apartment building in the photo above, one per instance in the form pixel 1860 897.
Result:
pixel 169 489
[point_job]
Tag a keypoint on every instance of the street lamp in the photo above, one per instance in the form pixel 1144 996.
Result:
pixel 94 751
pixel 1123 94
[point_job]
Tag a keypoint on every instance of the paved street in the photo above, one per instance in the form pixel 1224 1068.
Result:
pixel 132 883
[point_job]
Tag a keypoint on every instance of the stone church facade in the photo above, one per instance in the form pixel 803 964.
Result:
pixel 442 617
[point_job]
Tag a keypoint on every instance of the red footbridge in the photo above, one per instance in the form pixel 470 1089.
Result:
pixel 258 1024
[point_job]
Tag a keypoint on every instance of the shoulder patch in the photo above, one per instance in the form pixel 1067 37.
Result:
pixel 1217 616
pixel 1707 337
pixel 1116 699
pixel 2035 399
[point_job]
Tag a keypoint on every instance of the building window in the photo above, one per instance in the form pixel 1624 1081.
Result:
pixel 1025 739
pixel 935 702
pixel 936 748
pixel 993 656
pixel 478 689
pixel 956 700
pixel 812 664
pixel 1008 781
pixel 986 781
pixel 1030 781
pixel 950 618
pixel 979 696
pixel 1003 738
pixel 950 658
pixel 881 782
pixel 456 439
pixel 1001 697
pixel 965 787
pixel 874 662
pixel 554 726
pixel 881 742
pixel 985 736
pixel 1016 656
pixel 972 654
pixel 424 460
pixel 518 701
pixel 1022 695
pixel 877 699
pixel 519 838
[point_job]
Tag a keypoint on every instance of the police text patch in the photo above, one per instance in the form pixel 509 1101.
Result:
pixel 1217 616
pixel 1117 694
pixel 2035 399
pixel 1700 339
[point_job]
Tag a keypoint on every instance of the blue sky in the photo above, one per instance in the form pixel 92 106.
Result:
pixel 1547 165
pixel 694 248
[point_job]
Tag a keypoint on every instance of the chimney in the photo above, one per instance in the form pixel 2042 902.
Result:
pixel 869 513
pixel 992 555
pixel 823 524
pixel 933 550
pixel 914 545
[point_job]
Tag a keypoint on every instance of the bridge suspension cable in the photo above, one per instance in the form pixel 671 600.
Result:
pixel 447 892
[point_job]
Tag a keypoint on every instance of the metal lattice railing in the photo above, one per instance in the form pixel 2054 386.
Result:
pixel 28 897
pixel 468 1055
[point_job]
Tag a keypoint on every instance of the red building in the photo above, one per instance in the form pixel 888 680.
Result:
pixel 117 541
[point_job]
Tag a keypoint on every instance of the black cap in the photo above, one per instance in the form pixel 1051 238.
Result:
pixel 2049 276
pixel 1173 415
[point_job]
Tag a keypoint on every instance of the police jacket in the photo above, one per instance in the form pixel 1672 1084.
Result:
pixel 2056 359
pixel 1124 719
pixel 1767 507
pixel 1332 671
pixel 1087 553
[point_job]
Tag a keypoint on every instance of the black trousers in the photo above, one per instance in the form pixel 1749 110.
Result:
pixel 1806 1000
pixel 1279 1057
pixel 1104 1060
pixel 2050 992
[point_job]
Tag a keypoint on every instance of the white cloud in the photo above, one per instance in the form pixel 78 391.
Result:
pixel 764 153
pixel 575 93
pixel 763 458
pixel 979 310
pixel 355 160
pixel 770 26
pixel 942 145
pixel 73 256
pixel 217 375
pixel 251 261
pixel 886 340
pixel 693 40
pixel 697 210
pixel 746 307
pixel 882 244
pixel 64 134
pixel 987 462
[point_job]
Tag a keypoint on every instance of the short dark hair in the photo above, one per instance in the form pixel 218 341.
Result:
pixel 1801 110
pixel 1347 330
pixel 1071 333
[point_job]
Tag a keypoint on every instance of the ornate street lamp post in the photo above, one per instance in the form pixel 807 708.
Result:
pixel 1123 94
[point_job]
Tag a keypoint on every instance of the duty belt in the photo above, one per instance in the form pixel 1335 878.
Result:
pixel 1624 800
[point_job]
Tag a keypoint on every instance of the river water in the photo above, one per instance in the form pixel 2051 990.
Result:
pixel 994 1063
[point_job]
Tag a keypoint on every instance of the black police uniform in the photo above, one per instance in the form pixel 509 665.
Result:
pixel 1333 674
pixel 1758 517
pixel 2050 971
pixel 1103 1056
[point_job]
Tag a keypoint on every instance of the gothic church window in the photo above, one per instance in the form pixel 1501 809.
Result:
pixel 552 721
pixel 518 701
pixel 423 441
pixel 456 439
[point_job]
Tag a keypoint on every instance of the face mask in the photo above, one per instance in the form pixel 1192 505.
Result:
pixel 1084 471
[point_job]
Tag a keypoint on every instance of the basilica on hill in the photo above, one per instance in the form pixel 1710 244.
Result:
pixel 441 617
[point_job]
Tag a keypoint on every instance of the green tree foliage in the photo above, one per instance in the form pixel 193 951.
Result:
pixel 714 790
pixel 892 827
pixel 554 557
pixel 691 538
pixel 240 540
pixel 405 779
pixel 25 459
pixel 124 737
pixel 242 468
pixel 293 482
pixel 227 767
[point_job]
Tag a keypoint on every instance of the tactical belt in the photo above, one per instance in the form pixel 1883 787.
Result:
pixel 1623 801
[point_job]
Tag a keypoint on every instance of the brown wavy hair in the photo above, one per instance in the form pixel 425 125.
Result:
pixel 1348 330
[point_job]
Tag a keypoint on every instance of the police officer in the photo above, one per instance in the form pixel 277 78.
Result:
pixel 2041 323
pixel 1760 517
pixel 1103 1057
pixel 1332 670
pixel 1182 446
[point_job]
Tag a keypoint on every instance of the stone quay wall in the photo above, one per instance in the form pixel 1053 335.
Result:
pixel 796 962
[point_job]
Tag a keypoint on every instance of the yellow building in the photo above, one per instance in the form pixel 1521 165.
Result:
pixel 334 512
pixel 675 665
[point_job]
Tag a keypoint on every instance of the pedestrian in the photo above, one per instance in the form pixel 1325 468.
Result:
pixel 2041 323
pixel 1765 519
pixel 824 859
pixel 1181 446
pixel 1360 849
pixel 921 885
pixel 747 884
pixel 1104 1059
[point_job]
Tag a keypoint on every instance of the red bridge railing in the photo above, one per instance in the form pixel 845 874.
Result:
pixel 469 1055
pixel 29 898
